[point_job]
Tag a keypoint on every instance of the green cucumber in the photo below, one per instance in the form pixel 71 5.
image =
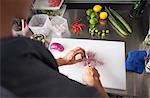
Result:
pixel 123 36
pixel 108 11
pixel 115 23
pixel 121 19
pixel 122 26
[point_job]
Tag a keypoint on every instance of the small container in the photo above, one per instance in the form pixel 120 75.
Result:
pixel 44 5
pixel 40 24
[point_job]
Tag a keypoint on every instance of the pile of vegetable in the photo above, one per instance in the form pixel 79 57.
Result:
pixel 118 23
pixel 95 31
pixel 95 16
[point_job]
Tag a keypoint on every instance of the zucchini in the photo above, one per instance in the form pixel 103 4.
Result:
pixel 121 19
pixel 123 36
pixel 115 23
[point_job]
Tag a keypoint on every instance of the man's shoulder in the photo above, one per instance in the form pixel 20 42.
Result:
pixel 21 47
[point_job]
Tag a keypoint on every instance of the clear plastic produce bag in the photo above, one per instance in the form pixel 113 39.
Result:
pixel 40 24
pixel 60 26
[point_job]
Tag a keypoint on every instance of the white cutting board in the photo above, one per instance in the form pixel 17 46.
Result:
pixel 112 73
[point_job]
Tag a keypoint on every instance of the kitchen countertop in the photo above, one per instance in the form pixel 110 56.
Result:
pixel 137 84
pixel 140 28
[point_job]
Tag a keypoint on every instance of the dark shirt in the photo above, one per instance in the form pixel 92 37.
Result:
pixel 28 69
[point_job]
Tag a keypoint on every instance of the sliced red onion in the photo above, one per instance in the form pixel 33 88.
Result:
pixel 56 46
pixel 90 59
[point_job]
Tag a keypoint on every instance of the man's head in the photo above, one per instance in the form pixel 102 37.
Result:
pixel 16 8
pixel 9 10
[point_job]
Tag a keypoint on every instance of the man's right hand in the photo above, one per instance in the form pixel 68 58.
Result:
pixel 91 78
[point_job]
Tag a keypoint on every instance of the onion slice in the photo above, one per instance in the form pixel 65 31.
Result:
pixel 91 59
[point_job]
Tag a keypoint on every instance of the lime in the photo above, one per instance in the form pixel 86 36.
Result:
pixel 94 15
pixel 97 8
pixel 93 21
pixel 89 11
